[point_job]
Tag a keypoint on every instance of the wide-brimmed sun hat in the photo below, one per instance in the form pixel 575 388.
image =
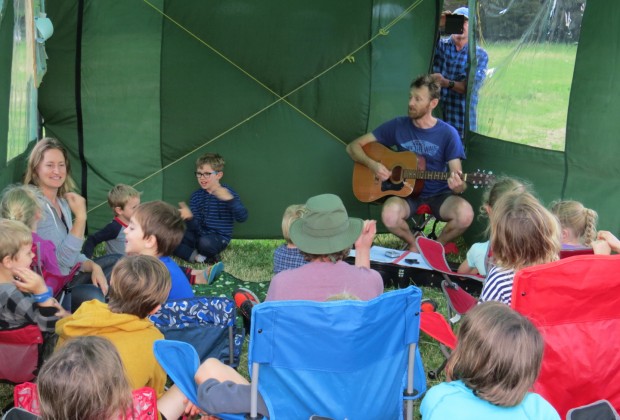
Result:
pixel 326 227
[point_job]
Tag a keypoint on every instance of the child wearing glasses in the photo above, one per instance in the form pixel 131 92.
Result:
pixel 211 214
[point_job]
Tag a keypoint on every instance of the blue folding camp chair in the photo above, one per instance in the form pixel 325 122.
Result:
pixel 342 359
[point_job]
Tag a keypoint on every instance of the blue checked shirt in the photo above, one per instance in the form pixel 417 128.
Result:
pixel 452 65
pixel 285 258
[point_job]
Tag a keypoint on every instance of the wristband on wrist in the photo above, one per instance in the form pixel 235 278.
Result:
pixel 450 84
pixel 42 297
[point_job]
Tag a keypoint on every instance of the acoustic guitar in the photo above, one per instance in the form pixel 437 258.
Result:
pixel 408 175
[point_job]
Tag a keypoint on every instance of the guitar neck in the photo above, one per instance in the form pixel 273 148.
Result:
pixel 431 175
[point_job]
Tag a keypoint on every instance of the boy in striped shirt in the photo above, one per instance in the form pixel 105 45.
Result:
pixel 211 214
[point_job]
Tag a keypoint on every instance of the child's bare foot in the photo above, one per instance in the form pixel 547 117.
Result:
pixel 209 274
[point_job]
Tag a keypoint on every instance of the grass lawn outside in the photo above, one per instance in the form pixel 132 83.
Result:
pixel 525 99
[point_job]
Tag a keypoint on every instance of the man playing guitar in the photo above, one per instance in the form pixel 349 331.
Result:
pixel 440 145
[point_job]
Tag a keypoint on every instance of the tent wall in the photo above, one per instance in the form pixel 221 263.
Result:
pixel 592 139
pixel 137 97
pixel 152 97
pixel 544 169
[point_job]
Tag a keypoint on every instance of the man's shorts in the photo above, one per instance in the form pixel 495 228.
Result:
pixel 434 202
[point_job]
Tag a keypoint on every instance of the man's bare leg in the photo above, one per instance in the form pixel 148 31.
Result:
pixel 458 215
pixel 394 215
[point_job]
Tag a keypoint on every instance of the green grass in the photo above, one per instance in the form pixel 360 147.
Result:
pixel 526 99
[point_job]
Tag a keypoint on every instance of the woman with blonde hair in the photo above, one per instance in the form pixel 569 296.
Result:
pixel 50 171
pixel 495 363
pixel 523 233
pixel 578 224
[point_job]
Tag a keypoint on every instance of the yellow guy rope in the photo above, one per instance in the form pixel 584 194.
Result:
pixel 350 57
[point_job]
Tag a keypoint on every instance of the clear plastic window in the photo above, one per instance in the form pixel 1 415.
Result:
pixel 27 69
pixel 532 46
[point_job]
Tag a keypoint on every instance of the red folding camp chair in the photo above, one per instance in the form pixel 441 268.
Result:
pixel 435 325
pixel 422 217
pixel 459 301
pixel 574 304
pixel 20 354
pixel 565 253
pixel 144 401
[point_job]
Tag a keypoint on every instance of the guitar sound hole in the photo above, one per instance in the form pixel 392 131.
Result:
pixel 397 175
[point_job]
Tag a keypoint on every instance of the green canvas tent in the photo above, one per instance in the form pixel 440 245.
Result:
pixel 138 89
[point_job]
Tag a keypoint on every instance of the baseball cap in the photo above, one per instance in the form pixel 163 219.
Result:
pixel 463 11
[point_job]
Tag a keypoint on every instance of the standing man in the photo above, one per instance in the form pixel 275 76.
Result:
pixel 440 145
pixel 451 70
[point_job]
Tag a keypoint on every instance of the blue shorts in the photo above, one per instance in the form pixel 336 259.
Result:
pixel 434 202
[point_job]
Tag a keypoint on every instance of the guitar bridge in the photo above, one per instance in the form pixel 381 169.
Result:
pixel 390 186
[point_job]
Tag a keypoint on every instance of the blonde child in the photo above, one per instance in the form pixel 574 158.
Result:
pixel 123 201
pixel 477 259
pixel 495 363
pixel 287 256
pixel 20 202
pixel 578 224
pixel 523 233
pixel 24 296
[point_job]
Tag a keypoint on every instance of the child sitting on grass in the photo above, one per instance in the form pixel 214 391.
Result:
pixel 523 233
pixel 123 200
pixel 578 224
pixel 211 214
pixel 287 256
pixel 495 363
pixel 24 296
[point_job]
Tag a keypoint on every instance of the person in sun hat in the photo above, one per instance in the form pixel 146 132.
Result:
pixel 324 236
pixel 451 71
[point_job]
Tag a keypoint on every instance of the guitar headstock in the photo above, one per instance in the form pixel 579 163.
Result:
pixel 480 178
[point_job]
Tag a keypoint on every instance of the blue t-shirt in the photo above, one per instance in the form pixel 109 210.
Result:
pixel 453 400
pixel 438 145
pixel 181 288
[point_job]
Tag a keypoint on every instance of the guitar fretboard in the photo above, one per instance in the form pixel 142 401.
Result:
pixel 439 176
